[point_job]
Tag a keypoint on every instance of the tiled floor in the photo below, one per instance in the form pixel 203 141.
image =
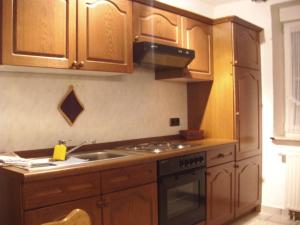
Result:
pixel 266 218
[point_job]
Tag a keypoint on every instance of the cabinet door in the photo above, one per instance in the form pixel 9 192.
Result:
pixel 220 194
pixel 60 211
pixel 198 36
pixel 248 112
pixel 104 35
pixel 39 33
pixel 135 206
pixel 248 185
pixel 156 25
pixel 246 47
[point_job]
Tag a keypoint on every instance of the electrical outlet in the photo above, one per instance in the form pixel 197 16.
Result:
pixel 174 122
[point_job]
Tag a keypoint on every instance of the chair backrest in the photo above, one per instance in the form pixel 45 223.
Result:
pixel 76 217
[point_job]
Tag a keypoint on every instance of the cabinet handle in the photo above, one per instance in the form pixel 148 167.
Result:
pixel 81 64
pixel 74 64
pixel 222 155
pixel 237 113
pixel 136 38
pixel 235 62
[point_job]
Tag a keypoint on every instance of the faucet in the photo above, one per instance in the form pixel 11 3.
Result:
pixel 78 146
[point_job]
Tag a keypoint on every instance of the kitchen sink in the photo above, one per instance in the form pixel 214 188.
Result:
pixel 75 159
pixel 99 156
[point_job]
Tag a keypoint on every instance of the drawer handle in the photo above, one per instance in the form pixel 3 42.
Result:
pixel 222 155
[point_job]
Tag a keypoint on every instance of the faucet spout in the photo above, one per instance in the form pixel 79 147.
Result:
pixel 78 146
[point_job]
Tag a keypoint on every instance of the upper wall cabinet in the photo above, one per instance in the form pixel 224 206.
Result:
pixel 198 36
pixel 156 25
pixel 39 33
pixel 246 55
pixel 105 35
pixel 94 35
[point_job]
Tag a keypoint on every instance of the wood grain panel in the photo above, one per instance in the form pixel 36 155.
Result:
pixel 104 35
pixel 248 112
pixel 39 33
pixel 220 194
pixel 43 193
pixel 248 185
pixel 122 178
pixel 219 118
pixel 156 25
pixel 135 206
pixel 60 211
pixel 198 36
pixel 246 55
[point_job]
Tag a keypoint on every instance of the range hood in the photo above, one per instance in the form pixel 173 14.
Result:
pixel 161 56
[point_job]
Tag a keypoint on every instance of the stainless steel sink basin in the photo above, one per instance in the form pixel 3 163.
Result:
pixel 100 156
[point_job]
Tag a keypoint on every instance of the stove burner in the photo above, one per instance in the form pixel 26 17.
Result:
pixel 157 147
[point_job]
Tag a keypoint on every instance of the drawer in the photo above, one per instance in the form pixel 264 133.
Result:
pixel 118 179
pixel 220 155
pixel 48 192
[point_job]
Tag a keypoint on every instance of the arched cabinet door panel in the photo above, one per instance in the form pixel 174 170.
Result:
pixel 248 112
pixel 248 185
pixel 220 194
pixel 246 47
pixel 156 25
pixel 105 35
pixel 198 37
pixel 40 33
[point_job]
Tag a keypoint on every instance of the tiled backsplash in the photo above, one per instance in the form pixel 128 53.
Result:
pixel 116 108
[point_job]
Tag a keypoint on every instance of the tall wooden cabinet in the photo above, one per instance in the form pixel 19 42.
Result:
pixel 232 105
pixel 88 35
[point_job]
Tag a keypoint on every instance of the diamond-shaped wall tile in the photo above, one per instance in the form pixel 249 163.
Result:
pixel 70 106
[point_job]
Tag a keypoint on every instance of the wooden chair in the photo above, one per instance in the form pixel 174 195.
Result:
pixel 76 217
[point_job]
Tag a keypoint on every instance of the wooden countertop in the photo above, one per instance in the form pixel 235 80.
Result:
pixel 132 159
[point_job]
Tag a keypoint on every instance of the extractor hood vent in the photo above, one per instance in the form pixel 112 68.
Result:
pixel 161 56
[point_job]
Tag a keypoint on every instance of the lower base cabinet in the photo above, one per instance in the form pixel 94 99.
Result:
pixel 233 189
pixel 220 194
pixel 248 185
pixel 60 211
pixel 134 206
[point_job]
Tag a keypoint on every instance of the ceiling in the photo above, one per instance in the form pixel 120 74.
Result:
pixel 217 2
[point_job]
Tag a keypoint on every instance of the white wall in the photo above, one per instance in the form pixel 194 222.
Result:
pixel 116 108
pixel 273 168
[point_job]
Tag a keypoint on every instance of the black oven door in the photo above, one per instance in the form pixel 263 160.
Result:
pixel 182 198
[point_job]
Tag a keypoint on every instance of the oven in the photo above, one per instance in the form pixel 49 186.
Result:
pixel 181 190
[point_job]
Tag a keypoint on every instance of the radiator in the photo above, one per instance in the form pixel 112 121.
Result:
pixel 293 182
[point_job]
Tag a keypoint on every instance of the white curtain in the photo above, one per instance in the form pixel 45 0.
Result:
pixel 293 79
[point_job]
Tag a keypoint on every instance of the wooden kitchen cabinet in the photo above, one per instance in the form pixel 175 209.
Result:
pixel 220 194
pixel 88 35
pixel 105 35
pixel 60 211
pixel 248 112
pixel 134 206
pixel 39 33
pixel 156 25
pixel 248 185
pixel 246 55
pixel 198 37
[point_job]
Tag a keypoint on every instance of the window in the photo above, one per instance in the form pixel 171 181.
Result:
pixel 292 78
